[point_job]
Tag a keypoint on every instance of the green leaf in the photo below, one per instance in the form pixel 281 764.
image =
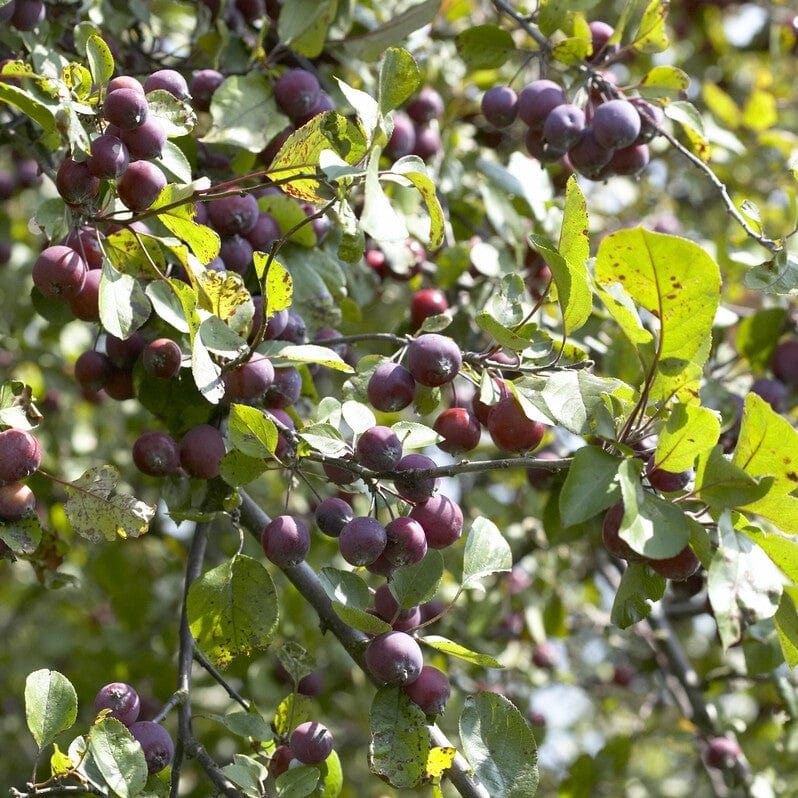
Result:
pixel 237 468
pixel 782 550
pixel 722 484
pixel 297 782
pixel 572 50
pixel 743 585
pixel 31 106
pixel 486 551
pixel 124 305
pixel 360 619
pixel 244 724
pixel 399 738
pixel 51 705
pixel 251 431
pixel 296 354
pixel 346 588
pixel 244 113
pixel 687 115
pixel 294 709
pixel 639 589
pixel 485 46
pixel 325 439
pixel 299 156
pixel 677 282
pixel 379 218
pixel 176 114
pixel 776 276
pixel 358 416
pixel 289 215
pixel 22 536
pixel 414 435
pixel 119 757
pixel 332 777
pixel 248 774
pixel 418 583
pixel 296 660
pixel 758 335
pixel 303 25
pixel 505 337
pixel 652 526
pixel 651 36
pixel 412 168
pixel 399 78
pixel 590 485
pixel 664 81
pixel 96 513
pixel 232 610
pixel 101 60
pixel 499 745
pixel 453 649
pixel 690 431
pixel 786 620
pixel 370 46
pixel 203 242
pixel 365 107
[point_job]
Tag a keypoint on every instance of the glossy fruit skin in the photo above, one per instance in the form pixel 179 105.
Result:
pixel 140 185
pixel 162 358
pixel 430 691
pixel 425 106
pixel 22 455
pixel 511 430
pixel 668 481
pixel 362 540
pixel 433 359
pixel 297 92
pixel 460 429
pixel 387 607
pixel 250 380
pixel 394 658
pixel 410 486
pixel 311 743
pixel 85 304
pixel 407 542
pixel 587 156
pixel 201 450
pixel 427 302
pixel 722 753
pixel 121 699
pixel 616 124
pixel 59 272
pixel 378 448
pixel 403 136
pixel 145 141
pixel 536 100
pixel 281 759
pixel 332 515
pixel 168 80
pixel 75 183
pixel 285 540
pixel 563 126
pixel 628 160
pixel 109 157
pixel 125 108
pixel 233 215
pixel 285 388
pixel 156 454
pixel 155 742
pixel 391 387
pixel 500 106
pixel 442 520
pixel 679 567
pixel 17 501
pixel 202 86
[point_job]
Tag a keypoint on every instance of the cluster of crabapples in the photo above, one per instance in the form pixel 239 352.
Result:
pixel 121 701
pixel 607 135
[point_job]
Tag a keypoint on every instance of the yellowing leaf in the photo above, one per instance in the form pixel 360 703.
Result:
pixel 438 761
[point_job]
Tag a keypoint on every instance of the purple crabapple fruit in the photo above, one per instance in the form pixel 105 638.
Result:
pixel 109 157
pixel 75 183
pixel 601 32
pixel 59 272
pixel 430 691
pixel 614 544
pixel 427 302
pixel 121 699
pixel 155 742
pixel 201 451
pixel 162 358
pixel 285 388
pixel 677 568
pixel 338 474
pixel 236 214
pixel 722 753
pixel 140 185
pixel 145 141
pixel 403 137
pixel 441 519
pixel 394 658
pixel 587 156
pixel 250 380
pixel 616 124
pixel 85 305
pixel 21 455
pixel 428 142
pixel 536 100
pixel 124 82
pixel 378 448
pixel 281 759
pixel 510 428
pixel 285 540
pixel 387 606
pixel 17 500
pixel 785 362
pixel 407 541
pixel 28 14
pixel 628 160
pixel 563 127
pixel 433 359
pixel 202 86
pixel 410 486
pixel 311 743
pixel 500 106
pixel 125 108
pixel 332 515
pixel 667 481
pixel 391 387
pixel 425 106
pixel 460 430
pixel 362 540
pixel 168 80
pixel 156 454
pixel 296 92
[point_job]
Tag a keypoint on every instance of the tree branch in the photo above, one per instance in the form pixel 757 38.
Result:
pixel 304 578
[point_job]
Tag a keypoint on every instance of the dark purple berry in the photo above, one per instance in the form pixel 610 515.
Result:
pixel 616 124
pixel 410 486
pixel 394 658
pixel 362 540
pixel 433 359
pixel 121 699
pixel 391 387
pixel 441 519
pixel 430 691
pixel 537 99
pixel 500 106
pixel 156 454
pixel 140 185
pixel 332 515
pixel 311 743
pixel 155 742
pixel 297 92
pixel 285 540
pixel 201 451
pixel 126 108
pixel 167 80
pixel 378 448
